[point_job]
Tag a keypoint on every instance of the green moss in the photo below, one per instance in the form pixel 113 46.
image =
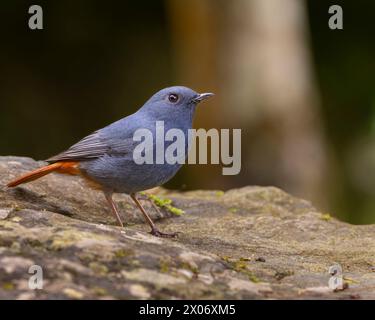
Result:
pixel 164 265
pixel 58 244
pixel 68 238
pixel 244 259
pixel 188 266
pixel 165 203
pixel 99 291
pixel 8 286
pixel 176 211
pixel 135 263
pixel 98 268
pixel 72 293
pixel 15 247
pixel 233 210
pixel 226 258
pixel 122 253
pixel 86 257
pixel 325 217
pixel 240 265
pixel 350 280
pixel 125 206
pixel 253 278
pixel 160 201
pixel 219 193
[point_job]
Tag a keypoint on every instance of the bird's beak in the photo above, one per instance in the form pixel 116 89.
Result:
pixel 202 96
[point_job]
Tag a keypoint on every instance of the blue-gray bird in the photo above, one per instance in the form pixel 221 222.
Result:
pixel 105 158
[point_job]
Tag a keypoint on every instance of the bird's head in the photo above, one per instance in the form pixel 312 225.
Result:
pixel 174 103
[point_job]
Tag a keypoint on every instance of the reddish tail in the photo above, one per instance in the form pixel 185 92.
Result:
pixel 61 167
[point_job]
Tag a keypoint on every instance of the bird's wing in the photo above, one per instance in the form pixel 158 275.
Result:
pixel 89 147
pixel 115 139
pixel 94 146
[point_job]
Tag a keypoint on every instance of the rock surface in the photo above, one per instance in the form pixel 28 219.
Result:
pixel 248 243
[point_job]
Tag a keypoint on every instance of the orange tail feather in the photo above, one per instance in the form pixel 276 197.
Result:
pixel 61 167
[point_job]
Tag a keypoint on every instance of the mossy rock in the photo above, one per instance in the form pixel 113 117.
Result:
pixel 248 243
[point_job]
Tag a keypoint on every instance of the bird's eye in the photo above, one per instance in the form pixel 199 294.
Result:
pixel 173 98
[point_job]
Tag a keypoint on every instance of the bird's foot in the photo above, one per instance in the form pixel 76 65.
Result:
pixel 157 233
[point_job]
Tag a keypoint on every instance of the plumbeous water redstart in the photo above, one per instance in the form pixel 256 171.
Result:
pixel 105 158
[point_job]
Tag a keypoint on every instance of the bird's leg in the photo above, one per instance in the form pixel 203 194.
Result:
pixel 148 197
pixel 114 209
pixel 155 206
pixel 154 231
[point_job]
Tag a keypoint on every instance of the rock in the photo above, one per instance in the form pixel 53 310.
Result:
pixel 248 243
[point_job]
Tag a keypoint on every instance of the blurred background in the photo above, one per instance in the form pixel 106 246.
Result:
pixel 302 94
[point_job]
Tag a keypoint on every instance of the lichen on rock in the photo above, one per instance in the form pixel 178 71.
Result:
pixel 248 243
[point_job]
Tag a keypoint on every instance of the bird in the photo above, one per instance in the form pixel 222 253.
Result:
pixel 104 159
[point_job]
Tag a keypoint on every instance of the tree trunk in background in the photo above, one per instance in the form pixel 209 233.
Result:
pixel 257 57
pixel 195 35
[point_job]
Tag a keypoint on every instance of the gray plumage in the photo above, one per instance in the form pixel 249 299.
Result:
pixel 106 156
